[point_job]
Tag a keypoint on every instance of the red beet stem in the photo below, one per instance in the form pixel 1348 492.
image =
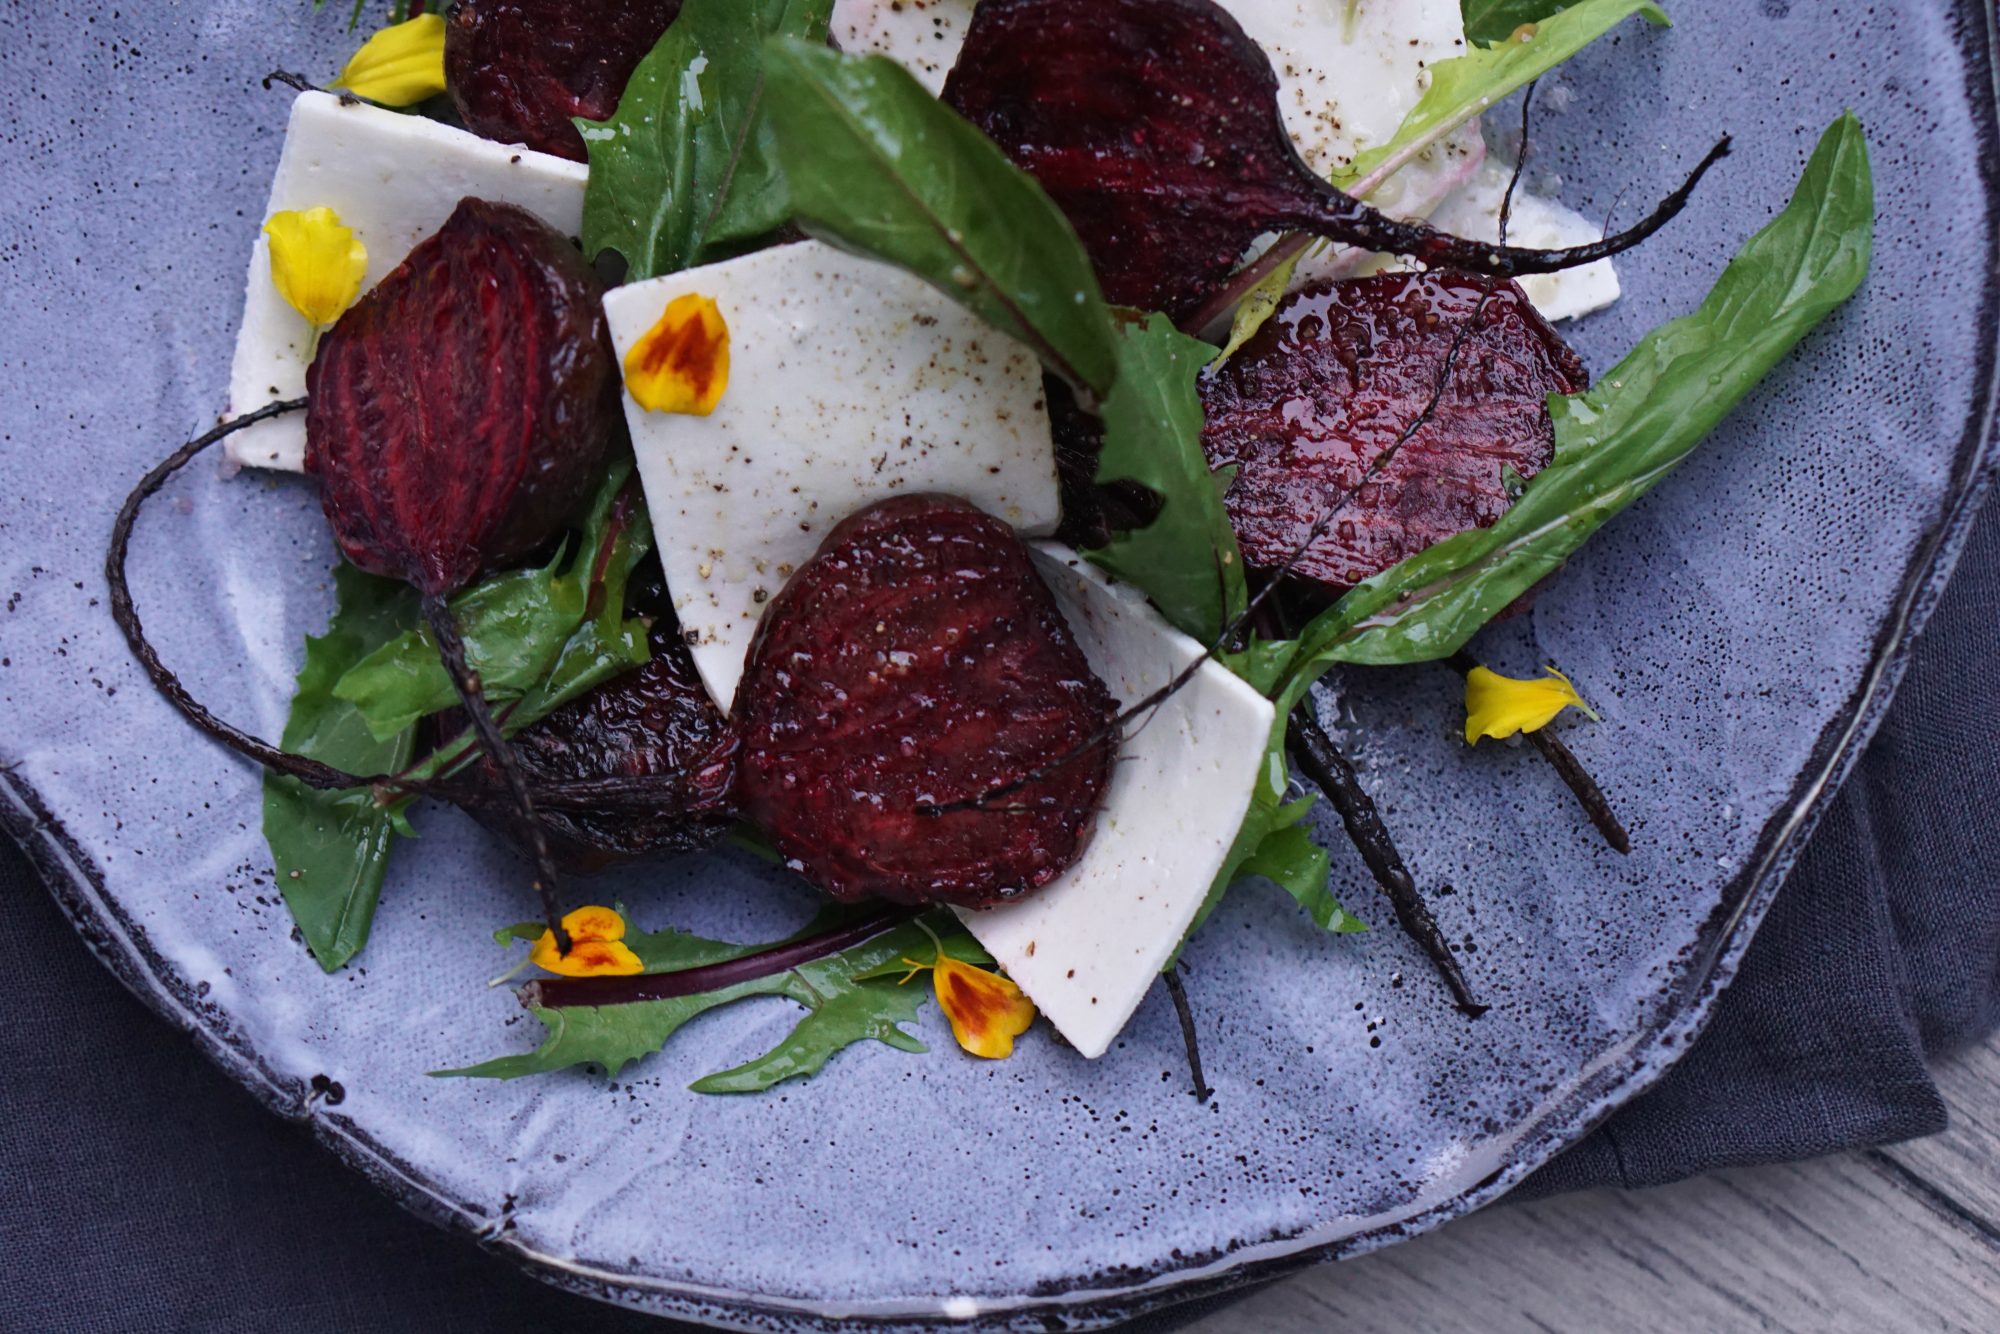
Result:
pixel 595 991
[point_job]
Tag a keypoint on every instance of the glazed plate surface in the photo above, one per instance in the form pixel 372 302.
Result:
pixel 1740 631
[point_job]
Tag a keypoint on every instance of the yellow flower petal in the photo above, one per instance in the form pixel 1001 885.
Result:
pixel 316 263
pixel 1499 706
pixel 399 66
pixel 594 949
pixel 682 362
pixel 987 1011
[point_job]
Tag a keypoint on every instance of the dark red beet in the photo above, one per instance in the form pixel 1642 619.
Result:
pixel 918 660
pixel 460 410
pixel 656 723
pixel 1155 126
pixel 1335 377
pixel 518 70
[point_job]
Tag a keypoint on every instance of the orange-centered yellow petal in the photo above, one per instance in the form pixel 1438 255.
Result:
pixel 594 948
pixel 682 362
pixel 399 66
pixel 1499 706
pixel 316 263
pixel 987 1011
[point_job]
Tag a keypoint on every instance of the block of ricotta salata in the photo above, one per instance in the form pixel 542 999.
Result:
pixel 393 179
pixel 849 380
pixel 1087 946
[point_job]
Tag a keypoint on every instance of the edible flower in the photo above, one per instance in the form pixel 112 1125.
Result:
pixel 595 946
pixel 1499 706
pixel 399 66
pixel 987 1011
pixel 682 362
pixel 316 263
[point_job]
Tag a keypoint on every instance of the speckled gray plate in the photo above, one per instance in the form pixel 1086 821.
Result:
pixel 1740 631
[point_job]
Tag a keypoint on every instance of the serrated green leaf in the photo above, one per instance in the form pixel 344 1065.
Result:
pixel 330 849
pixel 878 166
pixel 685 171
pixel 521 627
pixel 1185 560
pixel 1618 439
pixel 853 996
pixel 1464 86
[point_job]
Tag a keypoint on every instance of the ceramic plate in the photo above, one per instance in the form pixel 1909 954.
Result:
pixel 1739 631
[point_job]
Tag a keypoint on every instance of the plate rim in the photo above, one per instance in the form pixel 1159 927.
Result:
pixel 77 885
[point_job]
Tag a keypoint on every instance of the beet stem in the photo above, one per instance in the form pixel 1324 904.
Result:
pixel 596 991
pixel 1201 1090
pixel 1322 760
pixel 451 650
pixel 312 773
pixel 1570 769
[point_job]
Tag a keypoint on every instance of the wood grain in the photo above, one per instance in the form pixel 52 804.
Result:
pixel 1886 1240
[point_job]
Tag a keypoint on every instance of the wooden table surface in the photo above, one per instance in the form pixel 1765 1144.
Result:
pixel 1876 1242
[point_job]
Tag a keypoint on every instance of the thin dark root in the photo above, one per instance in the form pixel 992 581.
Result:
pixel 1316 752
pixel 451 649
pixel 302 84
pixel 1202 1092
pixel 593 991
pixel 312 773
pixel 1570 769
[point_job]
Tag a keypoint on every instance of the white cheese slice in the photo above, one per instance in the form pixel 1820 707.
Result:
pixel 394 179
pixel 1087 946
pixel 1347 72
pixel 1538 222
pixel 849 381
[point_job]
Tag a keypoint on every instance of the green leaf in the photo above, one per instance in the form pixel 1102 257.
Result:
pixel 854 996
pixel 1614 442
pixel 1288 858
pixel 330 849
pixel 1186 559
pixel 1466 85
pixel 685 171
pixel 1258 305
pixel 1490 21
pixel 520 626
pixel 878 166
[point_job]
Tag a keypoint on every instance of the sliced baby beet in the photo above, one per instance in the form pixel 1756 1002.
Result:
pixel 655 724
pixel 519 70
pixel 1336 376
pixel 918 660
pixel 460 411
pixel 1155 126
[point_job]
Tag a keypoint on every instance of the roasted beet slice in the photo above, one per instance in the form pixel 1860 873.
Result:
pixel 518 70
pixel 459 414
pixel 1155 126
pixel 916 661
pixel 656 724
pixel 1336 376
pixel 460 411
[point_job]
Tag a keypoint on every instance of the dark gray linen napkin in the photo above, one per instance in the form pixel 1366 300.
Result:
pixel 141 1190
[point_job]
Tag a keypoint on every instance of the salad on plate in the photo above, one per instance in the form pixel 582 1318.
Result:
pixel 947 449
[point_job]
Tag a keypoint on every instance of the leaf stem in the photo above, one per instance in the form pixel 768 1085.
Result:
pixel 547 993
pixel 1201 1090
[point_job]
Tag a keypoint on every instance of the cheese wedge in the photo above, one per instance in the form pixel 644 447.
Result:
pixel 849 381
pixel 393 179
pixel 1088 946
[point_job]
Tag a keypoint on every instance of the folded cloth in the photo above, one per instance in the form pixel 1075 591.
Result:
pixel 139 1189
pixel 1890 924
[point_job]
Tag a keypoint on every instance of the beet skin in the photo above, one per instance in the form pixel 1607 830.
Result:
pixel 918 660
pixel 1339 372
pixel 518 70
pixel 460 410
pixel 656 723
